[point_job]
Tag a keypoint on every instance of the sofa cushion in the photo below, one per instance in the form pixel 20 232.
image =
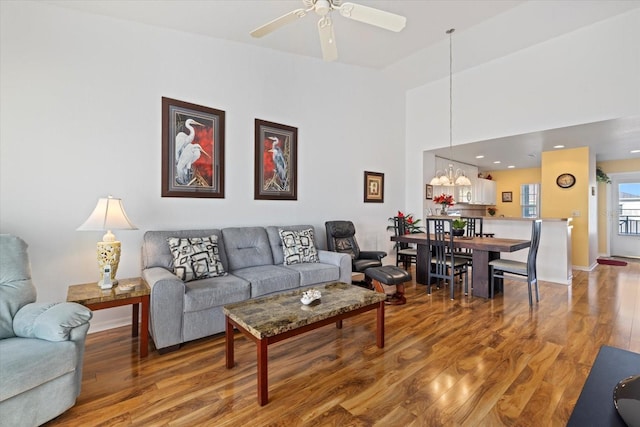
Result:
pixel 156 253
pixel 267 279
pixel 213 292
pixel 298 246
pixel 16 288
pixel 196 257
pixel 50 321
pixel 246 247
pixel 27 363
pixel 313 273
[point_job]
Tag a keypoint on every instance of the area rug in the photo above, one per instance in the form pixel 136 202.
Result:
pixel 608 261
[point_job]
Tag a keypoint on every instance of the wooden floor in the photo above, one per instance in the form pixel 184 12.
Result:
pixel 465 362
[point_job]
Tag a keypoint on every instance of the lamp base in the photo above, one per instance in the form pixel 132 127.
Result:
pixel 108 255
pixel 109 285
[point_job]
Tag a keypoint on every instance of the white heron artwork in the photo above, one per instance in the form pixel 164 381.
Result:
pixel 184 169
pixel 280 165
pixel 183 139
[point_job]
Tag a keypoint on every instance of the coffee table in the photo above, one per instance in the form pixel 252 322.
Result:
pixel 275 318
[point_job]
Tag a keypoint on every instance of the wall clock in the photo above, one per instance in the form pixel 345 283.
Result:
pixel 565 180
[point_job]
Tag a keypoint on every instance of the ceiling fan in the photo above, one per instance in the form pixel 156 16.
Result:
pixel 368 15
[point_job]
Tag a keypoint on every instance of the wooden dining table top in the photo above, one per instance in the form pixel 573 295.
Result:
pixel 491 244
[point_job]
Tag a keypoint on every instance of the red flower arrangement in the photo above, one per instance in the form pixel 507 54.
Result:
pixel 446 200
pixel 410 223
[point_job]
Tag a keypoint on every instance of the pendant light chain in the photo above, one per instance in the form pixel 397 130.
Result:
pixel 450 92
pixel 450 176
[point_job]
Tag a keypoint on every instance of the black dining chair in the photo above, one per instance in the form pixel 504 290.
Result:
pixel 405 252
pixel 444 263
pixel 473 229
pixel 518 270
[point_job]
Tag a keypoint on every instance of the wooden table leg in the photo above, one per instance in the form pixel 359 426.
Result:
pixel 263 387
pixel 480 272
pixel 422 263
pixel 228 335
pixel 134 320
pixel 380 325
pixel 144 326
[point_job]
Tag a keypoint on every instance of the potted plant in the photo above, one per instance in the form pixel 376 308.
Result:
pixel 491 211
pixel 458 226
pixel 410 223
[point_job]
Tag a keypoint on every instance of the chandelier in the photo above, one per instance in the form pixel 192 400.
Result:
pixel 450 176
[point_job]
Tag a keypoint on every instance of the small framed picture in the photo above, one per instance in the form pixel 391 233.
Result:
pixel 429 192
pixel 507 196
pixel 373 187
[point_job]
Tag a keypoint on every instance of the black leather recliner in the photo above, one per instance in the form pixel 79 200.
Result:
pixel 341 237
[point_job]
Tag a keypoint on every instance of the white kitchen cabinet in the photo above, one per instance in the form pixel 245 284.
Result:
pixel 483 192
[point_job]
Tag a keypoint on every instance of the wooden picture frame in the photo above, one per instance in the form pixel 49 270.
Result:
pixel 373 187
pixel 429 192
pixel 192 150
pixel 507 197
pixel 276 161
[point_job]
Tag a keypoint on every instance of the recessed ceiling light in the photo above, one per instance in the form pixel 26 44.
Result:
pixel 482 157
pixel 510 166
pixel 497 162
pixel 634 151
pixel 558 146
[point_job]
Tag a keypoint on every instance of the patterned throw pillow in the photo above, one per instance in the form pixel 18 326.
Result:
pixel 298 246
pixel 195 257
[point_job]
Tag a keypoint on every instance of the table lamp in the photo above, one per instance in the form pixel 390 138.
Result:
pixel 108 215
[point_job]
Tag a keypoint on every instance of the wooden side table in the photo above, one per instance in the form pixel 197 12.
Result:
pixel 94 298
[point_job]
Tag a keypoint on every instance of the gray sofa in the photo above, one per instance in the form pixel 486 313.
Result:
pixel 254 260
pixel 41 345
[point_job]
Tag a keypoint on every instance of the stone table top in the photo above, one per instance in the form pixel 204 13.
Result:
pixel 272 315
pixel 90 293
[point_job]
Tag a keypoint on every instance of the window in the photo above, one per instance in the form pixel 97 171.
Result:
pixel 530 200
pixel 629 209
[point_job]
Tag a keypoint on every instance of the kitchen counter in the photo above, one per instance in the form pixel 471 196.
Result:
pixel 554 252
pixel 502 218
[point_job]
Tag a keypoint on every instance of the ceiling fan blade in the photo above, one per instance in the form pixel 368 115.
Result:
pixel 327 39
pixel 279 22
pixel 368 15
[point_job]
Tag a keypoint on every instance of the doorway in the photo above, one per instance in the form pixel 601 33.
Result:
pixel 624 205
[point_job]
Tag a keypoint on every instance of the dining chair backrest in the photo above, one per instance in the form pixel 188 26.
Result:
pixel 400 229
pixel 536 229
pixel 440 241
pixel 474 226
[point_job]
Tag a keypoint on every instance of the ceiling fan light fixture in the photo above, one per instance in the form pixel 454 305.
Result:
pixel 322 7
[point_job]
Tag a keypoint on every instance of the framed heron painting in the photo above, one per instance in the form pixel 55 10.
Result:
pixel 192 150
pixel 276 165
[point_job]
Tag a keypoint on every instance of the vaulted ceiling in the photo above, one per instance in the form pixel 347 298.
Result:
pixel 416 55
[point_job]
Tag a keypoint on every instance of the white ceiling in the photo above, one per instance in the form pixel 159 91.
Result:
pixel 422 45
pixel 609 140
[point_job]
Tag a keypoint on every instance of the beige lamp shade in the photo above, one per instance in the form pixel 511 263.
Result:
pixel 108 215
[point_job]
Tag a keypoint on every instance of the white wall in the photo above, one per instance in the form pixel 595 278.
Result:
pixel 80 118
pixel 588 75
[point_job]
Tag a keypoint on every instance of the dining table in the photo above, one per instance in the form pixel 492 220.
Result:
pixel 485 249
